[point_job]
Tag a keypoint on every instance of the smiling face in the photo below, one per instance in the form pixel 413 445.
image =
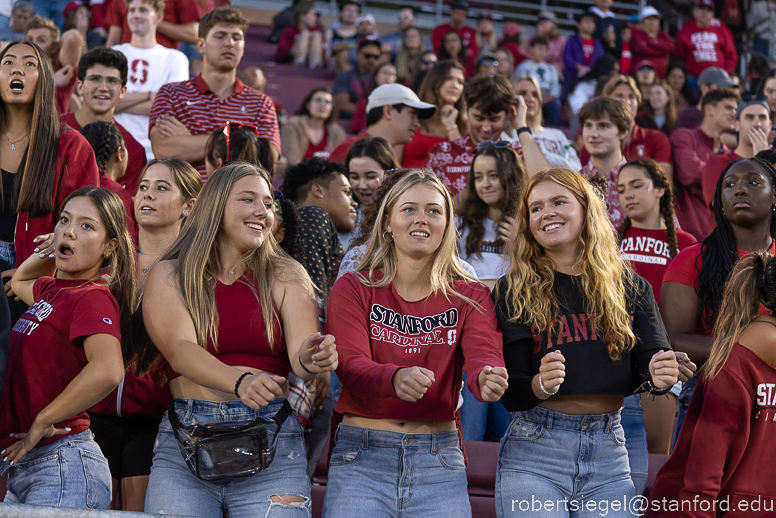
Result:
pixel 248 215
pixel 452 88
pixel 487 182
pixel 486 126
pixel 639 197
pixel 158 202
pixel 223 47
pixel 80 240
pixel 365 176
pixel 101 88
pixel 418 222
pixel 338 202
pixel 722 114
pixel 19 75
pixel 556 219
pixel 747 195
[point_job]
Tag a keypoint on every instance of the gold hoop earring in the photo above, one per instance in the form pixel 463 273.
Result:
pixel 385 238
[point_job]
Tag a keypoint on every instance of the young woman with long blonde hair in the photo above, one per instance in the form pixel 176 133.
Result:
pixel 411 321
pixel 581 331
pixel 232 315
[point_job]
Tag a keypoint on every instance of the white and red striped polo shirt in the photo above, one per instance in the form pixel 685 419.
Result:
pixel 202 112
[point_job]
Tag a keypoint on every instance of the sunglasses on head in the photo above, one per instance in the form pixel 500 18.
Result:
pixel 239 125
pixel 498 144
pixel 488 63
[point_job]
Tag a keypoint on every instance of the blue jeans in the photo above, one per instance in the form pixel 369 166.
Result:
pixel 483 421
pixel 577 462
pixel 51 9
pixel 382 474
pixel 632 419
pixel 70 472
pixel 685 396
pixel 173 489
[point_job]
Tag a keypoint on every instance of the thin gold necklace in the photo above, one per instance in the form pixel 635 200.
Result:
pixel 13 142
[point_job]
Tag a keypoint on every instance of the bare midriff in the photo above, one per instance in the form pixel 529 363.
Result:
pixel 399 425
pixel 587 404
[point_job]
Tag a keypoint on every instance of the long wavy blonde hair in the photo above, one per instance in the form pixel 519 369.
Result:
pixel 604 279
pixel 196 251
pixel 745 291
pixel 380 253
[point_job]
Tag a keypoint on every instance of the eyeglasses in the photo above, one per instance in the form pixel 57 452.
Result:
pixel 239 125
pixel 488 63
pixel 371 56
pixel 96 80
pixel 498 144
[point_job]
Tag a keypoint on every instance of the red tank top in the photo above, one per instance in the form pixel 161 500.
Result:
pixel 320 149
pixel 241 336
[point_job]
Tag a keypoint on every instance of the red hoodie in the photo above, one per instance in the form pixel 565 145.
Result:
pixel 722 464
pixel 712 46
pixel 657 50
pixel 76 168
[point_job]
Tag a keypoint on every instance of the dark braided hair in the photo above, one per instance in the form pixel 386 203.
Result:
pixel 369 220
pixel 292 244
pixel 243 145
pixel 474 211
pixel 719 250
pixel 659 180
pixel 105 138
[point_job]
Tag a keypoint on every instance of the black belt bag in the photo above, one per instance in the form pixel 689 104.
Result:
pixel 228 450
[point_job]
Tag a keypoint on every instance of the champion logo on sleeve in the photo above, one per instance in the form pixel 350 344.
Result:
pixel 107 320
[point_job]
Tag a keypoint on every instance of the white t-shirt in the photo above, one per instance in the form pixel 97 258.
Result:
pixel 149 69
pixel 493 263
pixel 555 146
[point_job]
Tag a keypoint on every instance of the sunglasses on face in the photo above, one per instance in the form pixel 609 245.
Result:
pixel 498 144
pixel 239 125
pixel 371 56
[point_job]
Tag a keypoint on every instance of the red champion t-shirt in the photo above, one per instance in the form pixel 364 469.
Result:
pixel 588 46
pixel 684 270
pixel 46 351
pixel 649 253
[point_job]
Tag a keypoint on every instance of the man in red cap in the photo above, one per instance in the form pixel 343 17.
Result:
pixel 705 42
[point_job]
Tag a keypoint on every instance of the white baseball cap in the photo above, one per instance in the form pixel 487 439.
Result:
pixel 395 93
pixel 649 11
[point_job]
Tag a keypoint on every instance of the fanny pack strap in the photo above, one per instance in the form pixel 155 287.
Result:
pixel 279 418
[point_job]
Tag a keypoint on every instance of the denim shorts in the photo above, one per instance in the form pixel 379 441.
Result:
pixel 378 473
pixel 70 472
pixel 557 465
pixel 173 489
pixel 7 255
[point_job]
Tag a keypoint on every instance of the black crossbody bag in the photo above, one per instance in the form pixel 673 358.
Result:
pixel 228 450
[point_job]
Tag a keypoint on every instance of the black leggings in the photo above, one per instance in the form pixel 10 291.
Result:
pixel 127 443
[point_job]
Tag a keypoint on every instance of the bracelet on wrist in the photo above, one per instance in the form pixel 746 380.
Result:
pixel 543 389
pixel 451 128
pixel 524 129
pixel 308 371
pixel 239 381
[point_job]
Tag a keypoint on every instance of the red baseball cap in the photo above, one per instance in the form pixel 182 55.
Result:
pixel 709 4
pixel 75 4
